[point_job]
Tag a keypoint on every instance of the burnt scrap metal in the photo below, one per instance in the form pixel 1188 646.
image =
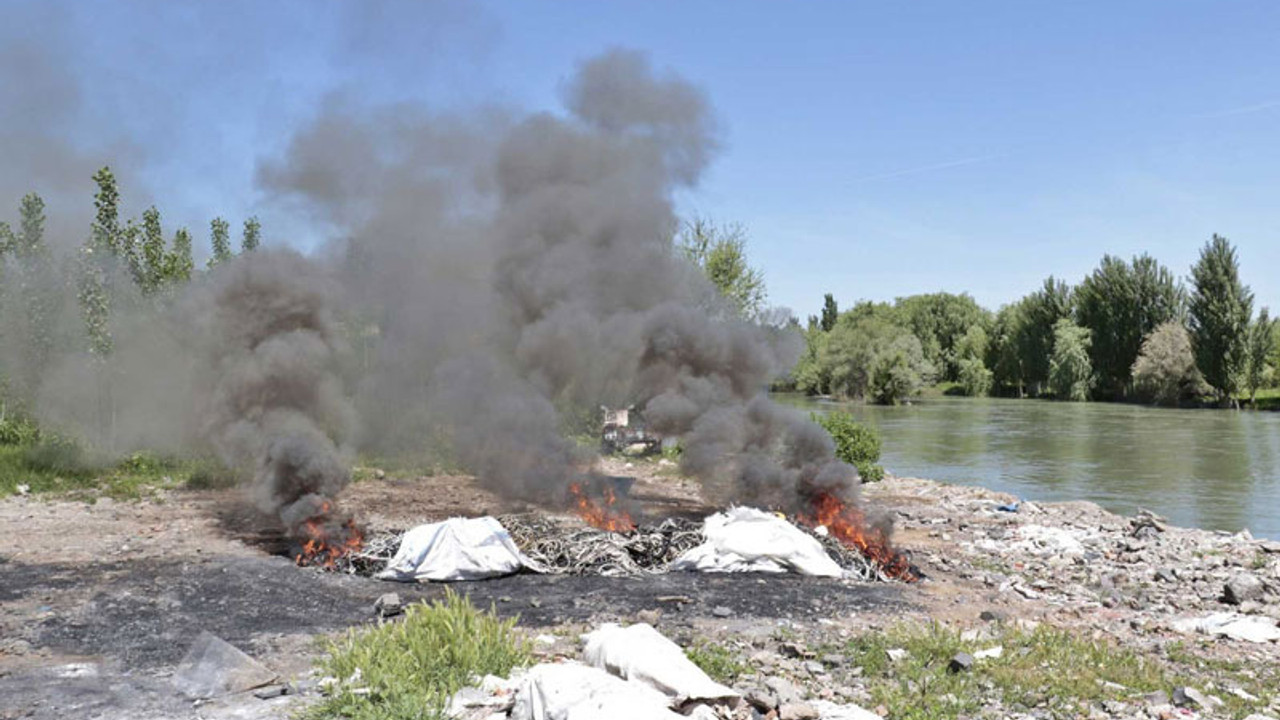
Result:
pixel 624 430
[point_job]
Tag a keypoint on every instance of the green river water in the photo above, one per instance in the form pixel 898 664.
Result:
pixel 1214 469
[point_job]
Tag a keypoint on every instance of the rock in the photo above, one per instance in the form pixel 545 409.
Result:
pixel 1259 716
pixel 380 474
pixel 1190 697
pixel 896 654
pixel 832 660
pixel 23 489
pixel 387 605
pixel 213 667
pixel 961 662
pixel 273 691
pixel 721 611
pixel 1158 697
pixel 832 711
pixel 992 616
pixel 649 617
pixel 1241 588
pixel 989 653
pixel 784 690
pixel 761 699
pixel 797 711
pixel 1167 575
pixel 814 667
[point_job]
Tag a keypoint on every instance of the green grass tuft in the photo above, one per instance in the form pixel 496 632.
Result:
pixel 1047 669
pixel 411 667
pixel 717 661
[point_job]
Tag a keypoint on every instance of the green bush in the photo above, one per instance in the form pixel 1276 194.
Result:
pixel 15 430
pixel 408 669
pixel 856 444
pixel 60 455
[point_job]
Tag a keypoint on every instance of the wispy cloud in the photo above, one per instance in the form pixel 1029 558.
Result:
pixel 1243 110
pixel 927 168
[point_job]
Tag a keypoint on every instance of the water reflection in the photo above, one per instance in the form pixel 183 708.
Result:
pixel 1207 468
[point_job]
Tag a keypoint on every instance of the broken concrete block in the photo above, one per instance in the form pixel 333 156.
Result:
pixel 213 667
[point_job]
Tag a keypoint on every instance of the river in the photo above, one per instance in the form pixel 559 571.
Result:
pixel 1214 469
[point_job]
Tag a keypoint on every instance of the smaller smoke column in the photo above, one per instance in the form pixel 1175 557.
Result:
pixel 276 405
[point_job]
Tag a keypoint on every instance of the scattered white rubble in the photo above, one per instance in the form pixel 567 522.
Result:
pixel 743 539
pixel 1253 628
pixel 456 549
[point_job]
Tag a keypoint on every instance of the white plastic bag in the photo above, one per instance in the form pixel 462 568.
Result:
pixel 570 691
pixel 456 549
pixel 743 539
pixel 639 653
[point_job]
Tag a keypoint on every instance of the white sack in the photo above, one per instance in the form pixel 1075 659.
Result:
pixel 639 653
pixel 456 549
pixel 743 539
pixel 570 691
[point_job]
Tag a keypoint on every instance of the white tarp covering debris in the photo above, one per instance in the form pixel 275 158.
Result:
pixel 1253 628
pixel 456 549
pixel 639 653
pixel 743 539
pixel 569 691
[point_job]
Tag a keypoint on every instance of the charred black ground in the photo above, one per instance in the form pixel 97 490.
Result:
pixel 147 613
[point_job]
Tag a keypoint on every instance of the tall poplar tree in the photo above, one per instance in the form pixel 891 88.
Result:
pixel 220 239
pixel 1218 318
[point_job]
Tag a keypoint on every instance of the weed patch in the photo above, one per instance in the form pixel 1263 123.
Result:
pixel 408 669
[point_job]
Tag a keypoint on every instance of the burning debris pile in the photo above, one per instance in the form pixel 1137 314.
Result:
pixel 558 546
pixel 592 551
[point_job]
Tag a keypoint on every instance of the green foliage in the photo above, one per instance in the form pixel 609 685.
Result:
pixel 720 251
pixel 1218 317
pixel 941 321
pixel 18 430
pixel 1165 371
pixel 1004 356
pixel 1258 370
pixel 1070 372
pixel 408 669
pixel 105 233
pixel 1042 310
pixel 718 662
pixel 179 263
pixel 811 375
pixel 1045 668
pixel 830 313
pixel 220 241
pixel 867 356
pixel 1122 303
pixel 856 444
pixel 30 239
pixel 975 379
pixel 252 237
pixel 153 251
pixel 95 302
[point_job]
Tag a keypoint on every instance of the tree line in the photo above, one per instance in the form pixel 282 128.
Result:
pixel 121 265
pixel 1129 331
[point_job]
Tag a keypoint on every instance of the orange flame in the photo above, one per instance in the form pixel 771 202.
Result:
pixel 325 543
pixel 849 525
pixel 601 512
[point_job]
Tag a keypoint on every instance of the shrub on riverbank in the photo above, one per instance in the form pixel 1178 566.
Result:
pixel 856 444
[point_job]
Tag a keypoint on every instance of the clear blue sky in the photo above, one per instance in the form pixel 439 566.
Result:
pixel 871 149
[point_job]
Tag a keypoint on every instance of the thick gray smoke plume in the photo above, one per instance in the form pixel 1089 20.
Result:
pixel 275 405
pixel 524 271
pixel 495 278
